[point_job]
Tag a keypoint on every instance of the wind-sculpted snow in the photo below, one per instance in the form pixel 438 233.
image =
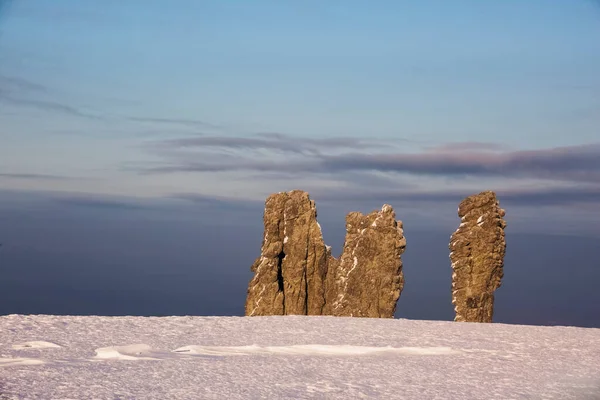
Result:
pixel 12 361
pixel 130 352
pixel 36 344
pixel 312 350
pixel 56 357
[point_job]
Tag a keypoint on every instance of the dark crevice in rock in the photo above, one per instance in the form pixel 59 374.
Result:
pixel 306 291
pixel 280 258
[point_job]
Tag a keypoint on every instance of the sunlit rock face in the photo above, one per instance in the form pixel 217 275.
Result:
pixel 367 279
pixel 289 275
pixel 477 251
pixel 296 273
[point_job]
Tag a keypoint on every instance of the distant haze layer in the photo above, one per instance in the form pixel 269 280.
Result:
pixel 60 258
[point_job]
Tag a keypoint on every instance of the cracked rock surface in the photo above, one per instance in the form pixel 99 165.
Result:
pixel 477 251
pixel 367 279
pixel 289 275
pixel 296 273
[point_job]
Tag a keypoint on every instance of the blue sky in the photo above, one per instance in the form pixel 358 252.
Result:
pixel 239 99
pixel 139 139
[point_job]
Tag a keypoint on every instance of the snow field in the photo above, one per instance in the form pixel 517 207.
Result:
pixel 58 357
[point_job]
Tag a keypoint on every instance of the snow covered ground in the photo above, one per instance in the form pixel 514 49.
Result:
pixel 57 357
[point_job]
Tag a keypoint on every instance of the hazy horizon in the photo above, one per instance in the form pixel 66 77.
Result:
pixel 94 258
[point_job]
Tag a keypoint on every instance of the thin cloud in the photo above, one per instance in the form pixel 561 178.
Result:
pixel 575 163
pixel 271 141
pixel 100 203
pixel 81 200
pixel 176 121
pixel 218 201
pixel 511 197
pixel 522 197
pixel 11 83
pixel 21 92
pixel 234 165
pixel 48 105
pixel 469 146
pixel 34 176
pixel 572 163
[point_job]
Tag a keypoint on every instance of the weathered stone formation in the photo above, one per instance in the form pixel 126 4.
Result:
pixel 289 275
pixel 477 254
pixel 296 273
pixel 367 279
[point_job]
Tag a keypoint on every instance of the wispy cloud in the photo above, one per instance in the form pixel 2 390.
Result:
pixel 364 176
pixel 100 203
pixel 33 176
pixel 48 106
pixel 341 155
pixel 220 201
pixel 534 197
pixel 20 92
pixel 70 200
pixel 266 141
pixel 575 163
pixel 11 83
pixel 469 146
pixel 176 121
pixel 558 196
pixel 270 154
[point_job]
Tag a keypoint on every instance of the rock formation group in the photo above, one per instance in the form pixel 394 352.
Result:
pixel 296 273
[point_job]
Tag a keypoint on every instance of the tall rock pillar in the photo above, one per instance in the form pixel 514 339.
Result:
pixel 289 275
pixel 477 251
pixel 367 279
